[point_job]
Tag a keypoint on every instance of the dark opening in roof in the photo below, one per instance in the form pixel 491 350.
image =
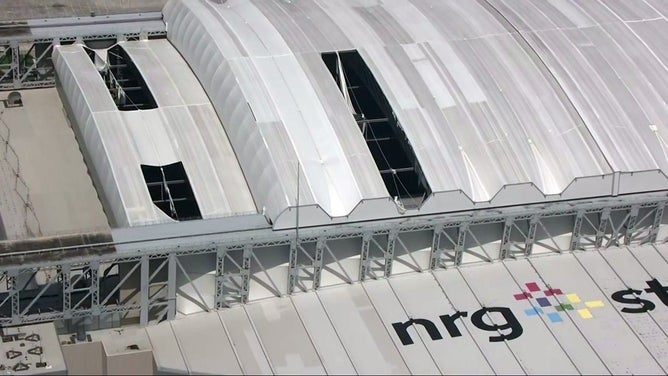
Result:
pixel 387 142
pixel 170 191
pixel 124 81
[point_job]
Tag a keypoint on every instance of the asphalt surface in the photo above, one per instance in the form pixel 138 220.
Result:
pixel 18 10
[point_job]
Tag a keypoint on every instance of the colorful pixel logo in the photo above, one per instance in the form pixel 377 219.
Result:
pixel 562 302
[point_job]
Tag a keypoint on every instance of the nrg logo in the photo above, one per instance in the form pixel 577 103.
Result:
pixel 552 303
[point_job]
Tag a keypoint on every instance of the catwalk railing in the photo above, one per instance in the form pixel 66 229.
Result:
pixel 160 279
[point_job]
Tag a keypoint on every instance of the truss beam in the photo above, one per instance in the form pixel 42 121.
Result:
pixel 86 291
pixel 30 66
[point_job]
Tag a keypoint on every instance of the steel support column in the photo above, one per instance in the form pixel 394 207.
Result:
pixel 505 238
pixel 364 256
pixel 245 272
pixel 67 291
pixel 631 224
pixel 531 235
pixel 293 271
pixel 13 290
pixel 171 286
pixel 317 262
pixel 219 300
pixel 602 226
pixel 435 254
pixel 16 64
pixel 389 252
pixel 143 291
pixel 462 231
pixel 577 231
pixel 656 223
pixel 94 267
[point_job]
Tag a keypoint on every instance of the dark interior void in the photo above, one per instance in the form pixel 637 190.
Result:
pixel 384 136
pixel 171 192
pixel 126 85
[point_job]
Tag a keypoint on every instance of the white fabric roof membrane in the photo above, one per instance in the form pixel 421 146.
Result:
pixel 493 120
pixel 610 58
pixel 183 128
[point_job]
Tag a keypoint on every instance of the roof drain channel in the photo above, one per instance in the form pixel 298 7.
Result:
pixel 171 192
pixel 387 142
pixel 124 81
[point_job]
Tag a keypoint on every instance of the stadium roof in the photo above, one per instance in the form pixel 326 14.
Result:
pixel 376 110
pixel 495 113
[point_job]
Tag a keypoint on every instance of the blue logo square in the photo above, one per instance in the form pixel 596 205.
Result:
pixel 533 311
pixel 554 317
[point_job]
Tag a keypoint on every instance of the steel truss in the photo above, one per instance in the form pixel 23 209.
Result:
pixel 144 285
pixel 27 64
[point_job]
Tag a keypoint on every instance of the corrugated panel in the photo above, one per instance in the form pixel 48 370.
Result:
pixel 205 345
pixel 166 350
pixel 335 359
pixel 286 342
pixel 247 346
pixel 362 331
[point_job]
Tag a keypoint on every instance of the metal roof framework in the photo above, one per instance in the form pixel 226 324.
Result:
pixel 150 277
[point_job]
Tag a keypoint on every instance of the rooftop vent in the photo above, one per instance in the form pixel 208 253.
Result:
pixel 124 81
pixel 387 142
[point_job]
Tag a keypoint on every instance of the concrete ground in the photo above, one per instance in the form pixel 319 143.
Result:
pixel 45 188
pixel 38 9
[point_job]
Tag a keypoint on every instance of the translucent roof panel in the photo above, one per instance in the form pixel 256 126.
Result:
pixel 480 109
pixel 610 58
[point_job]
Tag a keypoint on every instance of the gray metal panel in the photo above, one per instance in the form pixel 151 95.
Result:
pixel 286 342
pixel 567 274
pixel 652 260
pixel 332 353
pixel 205 345
pixel 246 344
pixel 166 350
pixel 361 330
pixel 413 291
